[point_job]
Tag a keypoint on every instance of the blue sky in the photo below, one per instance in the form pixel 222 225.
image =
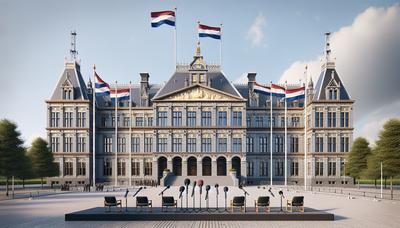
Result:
pixel 118 38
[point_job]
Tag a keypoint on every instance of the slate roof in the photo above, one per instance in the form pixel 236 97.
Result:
pixel 323 81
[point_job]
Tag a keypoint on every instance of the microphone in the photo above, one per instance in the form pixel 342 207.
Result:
pixel 200 184
pixel 281 193
pixel 272 194
pixel 165 189
pixel 240 186
pixel 194 186
pixel 187 181
pixel 226 189
pixel 207 189
pixel 216 187
pixel 139 189
pixel 181 189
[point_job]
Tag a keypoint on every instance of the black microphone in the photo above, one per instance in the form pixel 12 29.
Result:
pixel 272 194
pixel 194 186
pixel 139 189
pixel 216 187
pixel 181 189
pixel 240 186
pixel 200 184
pixel 187 182
pixel 207 189
pixel 281 193
pixel 225 189
pixel 165 189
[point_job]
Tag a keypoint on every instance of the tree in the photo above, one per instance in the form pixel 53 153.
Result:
pixel 42 159
pixel 373 170
pixel 357 157
pixel 11 150
pixel 25 172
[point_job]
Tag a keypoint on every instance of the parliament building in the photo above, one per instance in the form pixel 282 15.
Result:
pixel 199 125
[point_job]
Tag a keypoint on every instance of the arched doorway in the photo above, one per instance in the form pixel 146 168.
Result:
pixel 221 166
pixel 192 166
pixel 162 164
pixel 177 166
pixel 236 165
pixel 206 166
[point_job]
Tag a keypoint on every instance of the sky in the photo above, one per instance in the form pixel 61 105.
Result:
pixel 275 39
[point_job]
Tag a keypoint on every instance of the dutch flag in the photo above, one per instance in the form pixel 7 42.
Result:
pixel 162 17
pixel 278 91
pixel 261 89
pixel 101 87
pixel 119 95
pixel 295 94
pixel 208 31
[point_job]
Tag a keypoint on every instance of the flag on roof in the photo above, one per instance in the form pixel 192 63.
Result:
pixel 119 95
pixel 162 17
pixel 261 89
pixel 101 87
pixel 208 31
pixel 277 91
pixel 295 94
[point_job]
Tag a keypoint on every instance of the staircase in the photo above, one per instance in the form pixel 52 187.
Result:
pixel 208 180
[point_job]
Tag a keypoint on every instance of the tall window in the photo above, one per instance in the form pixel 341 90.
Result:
pixel 344 119
pixel 81 120
pixel 279 168
pixel 206 144
pixel 176 118
pixel 222 145
pixel 331 144
pixel 278 144
pixel 121 168
pixel 135 168
pixel 248 121
pixel 177 144
pixel 237 145
pixel 237 118
pixel 108 144
pixel 263 168
pixel 139 121
pixel 148 168
pixel 55 144
pixel 222 115
pixel 259 121
pixel 162 118
pixel 296 121
pixel 67 94
pixel 250 169
pixel 107 169
pixel 67 144
pixel 81 168
pixel 319 168
pixel 148 144
pixel 81 144
pixel 55 119
pixel 319 119
pixel 333 94
pixel 68 119
pixel 162 145
pixel 294 168
pixel 249 144
pixel 126 121
pixel 150 121
pixel 206 118
pixel 191 119
pixel 319 144
pixel 68 168
pixel 294 144
pixel 135 144
pixel 263 144
pixel 331 119
pixel 282 121
pixel 344 144
pixel 331 168
pixel 191 145
pixel 121 144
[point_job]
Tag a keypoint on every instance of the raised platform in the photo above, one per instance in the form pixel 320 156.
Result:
pixel 100 214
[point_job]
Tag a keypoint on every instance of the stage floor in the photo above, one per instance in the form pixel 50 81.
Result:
pixel 100 214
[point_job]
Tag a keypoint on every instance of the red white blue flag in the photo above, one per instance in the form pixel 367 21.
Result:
pixel 119 95
pixel 208 31
pixel 295 94
pixel 162 17
pixel 101 87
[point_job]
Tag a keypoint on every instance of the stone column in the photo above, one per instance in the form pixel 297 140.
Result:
pixel 229 116
pixel 228 164
pixel 184 166
pixel 213 166
pixel 141 167
pixel 199 166
pixel 169 163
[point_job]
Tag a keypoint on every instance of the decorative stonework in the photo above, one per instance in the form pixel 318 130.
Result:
pixel 199 94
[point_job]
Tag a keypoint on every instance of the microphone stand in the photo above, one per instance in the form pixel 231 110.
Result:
pixel 162 193
pixel 216 197
pixel 194 196
pixel 226 209
pixel 245 193
pixel 126 199
pixel 187 195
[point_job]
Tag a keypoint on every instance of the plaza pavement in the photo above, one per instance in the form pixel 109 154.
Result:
pixel 48 211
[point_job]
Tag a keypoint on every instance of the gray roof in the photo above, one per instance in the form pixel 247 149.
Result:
pixel 327 77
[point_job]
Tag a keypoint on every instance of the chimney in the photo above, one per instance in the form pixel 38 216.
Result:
pixel 144 89
pixel 251 79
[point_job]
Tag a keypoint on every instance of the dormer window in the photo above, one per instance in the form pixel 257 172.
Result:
pixel 194 78
pixel 67 93
pixel 333 94
pixel 202 78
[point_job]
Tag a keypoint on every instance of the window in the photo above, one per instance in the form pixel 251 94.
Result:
pixel 206 118
pixel 333 94
pixel 206 144
pixel 113 121
pixel 319 144
pixel 296 121
pixel 331 144
pixel 344 144
pixel 121 168
pixel 237 145
pixel 55 119
pixel 237 118
pixel 250 169
pixel 191 145
pixel 263 143
pixel 191 119
pixel 331 168
pixel 150 121
pixel 282 121
pixel 162 118
pixel 319 119
pixel 319 168
pixel 248 121
pixel 81 120
pixel 121 144
pixel 222 115
pixel 148 144
pixel 259 121
pixel 107 169
pixel 176 118
pixel 67 93
pixel 279 168
pixel 135 144
pixel 263 168
pixel 68 168
pixel 162 145
pixel 104 120
pixel 177 144
pixel 81 168
pixel 249 144
pixel 222 145
pixel 148 168
pixel 331 119
pixel 81 144
pixel 294 168
pixel 194 78
pixel 68 119
pixel 67 144
pixel 278 144
pixel 135 168
pixel 344 119
pixel 55 144
pixel 108 144
pixel 294 144
pixel 139 121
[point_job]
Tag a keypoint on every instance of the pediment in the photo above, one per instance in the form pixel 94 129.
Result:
pixel 333 83
pixel 199 93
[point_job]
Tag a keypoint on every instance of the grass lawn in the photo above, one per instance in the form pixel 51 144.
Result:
pixel 19 181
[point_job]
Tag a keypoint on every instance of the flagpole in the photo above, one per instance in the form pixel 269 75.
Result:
pixel 285 136
pixel 220 48
pixel 270 95
pixel 130 133
pixel 175 41
pixel 198 35
pixel 116 134
pixel 94 127
pixel 305 132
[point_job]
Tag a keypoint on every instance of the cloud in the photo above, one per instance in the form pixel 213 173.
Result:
pixel 367 59
pixel 255 33
pixel 241 80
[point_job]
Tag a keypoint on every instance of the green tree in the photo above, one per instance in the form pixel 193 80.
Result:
pixel 357 157
pixel 373 170
pixel 11 150
pixel 42 159
pixel 25 172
